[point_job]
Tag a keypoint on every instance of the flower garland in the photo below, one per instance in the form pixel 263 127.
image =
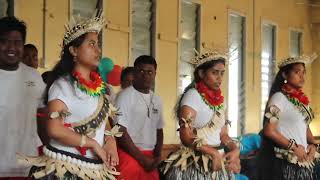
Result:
pixel 300 101
pixel 95 87
pixel 213 98
pixel 295 96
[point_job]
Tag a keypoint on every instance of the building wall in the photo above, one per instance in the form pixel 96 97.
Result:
pixel 315 29
pixel 56 15
pixel 214 32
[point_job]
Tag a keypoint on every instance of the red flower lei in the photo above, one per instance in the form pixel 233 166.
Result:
pixel 95 87
pixel 295 95
pixel 213 98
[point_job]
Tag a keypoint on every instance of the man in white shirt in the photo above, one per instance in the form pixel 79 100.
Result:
pixel 21 91
pixel 141 120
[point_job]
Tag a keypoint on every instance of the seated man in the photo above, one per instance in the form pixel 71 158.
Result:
pixel 141 121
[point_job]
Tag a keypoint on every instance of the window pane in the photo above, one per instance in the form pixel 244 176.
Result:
pixel 189 40
pixel 295 43
pixel 236 86
pixel 3 8
pixel 84 8
pixel 142 28
pixel 267 63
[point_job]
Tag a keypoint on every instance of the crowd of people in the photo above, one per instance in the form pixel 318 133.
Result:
pixel 65 125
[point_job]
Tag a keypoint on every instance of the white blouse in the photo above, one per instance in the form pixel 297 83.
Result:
pixel 79 104
pixel 204 114
pixel 291 122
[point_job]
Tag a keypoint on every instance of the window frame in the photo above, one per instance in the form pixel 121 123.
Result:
pixel 301 40
pixel 240 122
pixel 198 37
pixel 153 31
pixel 275 54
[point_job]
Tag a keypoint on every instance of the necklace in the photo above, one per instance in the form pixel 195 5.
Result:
pixel 95 87
pixel 213 98
pixel 145 101
pixel 295 96
pixel 300 101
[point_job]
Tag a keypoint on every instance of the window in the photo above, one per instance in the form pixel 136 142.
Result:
pixel 236 85
pixel 268 48
pixel 6 8
pixel 86 8
pixel 143 28
pixel 295 43
pixel 189 40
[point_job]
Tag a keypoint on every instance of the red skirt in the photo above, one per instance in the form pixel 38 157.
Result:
pixel 15 178
pixel 130 169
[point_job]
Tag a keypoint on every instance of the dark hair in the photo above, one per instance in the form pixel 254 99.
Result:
pixel 145 59
pixel 64 66
pixel 126 71
pixel 266 154
pixel 45 76
pixel 205 66
pixel 30 46
pixel 279 81
pixel 11 23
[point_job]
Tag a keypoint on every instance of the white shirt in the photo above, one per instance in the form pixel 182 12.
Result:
pixel 79 104
pixel 133 106
pixel 204 114
pixel 291 122
pixel 21 94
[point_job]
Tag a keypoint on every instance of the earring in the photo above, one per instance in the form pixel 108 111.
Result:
pixel 285 81
pixel 74 58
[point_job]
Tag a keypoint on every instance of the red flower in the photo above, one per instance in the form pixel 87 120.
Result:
pixel 295 94
pixel 214 97
pixel 95 82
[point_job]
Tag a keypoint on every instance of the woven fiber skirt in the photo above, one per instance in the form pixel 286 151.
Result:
pixel 193 172
pixel 186 164
pixel 58 164
pixel 283 170
pixel 52 176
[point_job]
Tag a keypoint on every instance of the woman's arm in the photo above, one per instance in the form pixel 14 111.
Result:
pixel 233 156
pixel 270 131
pixel 110 146
pixel 226 140
pixel 188 136
pixel 66 136
pixel 312 145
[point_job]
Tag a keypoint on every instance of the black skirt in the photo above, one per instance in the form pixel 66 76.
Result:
pixel 52 176
pixel 283 170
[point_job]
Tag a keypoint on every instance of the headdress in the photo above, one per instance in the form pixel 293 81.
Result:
pixel 209 55
pixel 80 25
pixel 300 59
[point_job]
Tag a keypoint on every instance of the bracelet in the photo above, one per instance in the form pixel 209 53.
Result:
pixel 59 114
pixel 228 142
pixel 199 142
pixel 114 132
pixel 291 144
pixel 317 146
pixel 83 140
